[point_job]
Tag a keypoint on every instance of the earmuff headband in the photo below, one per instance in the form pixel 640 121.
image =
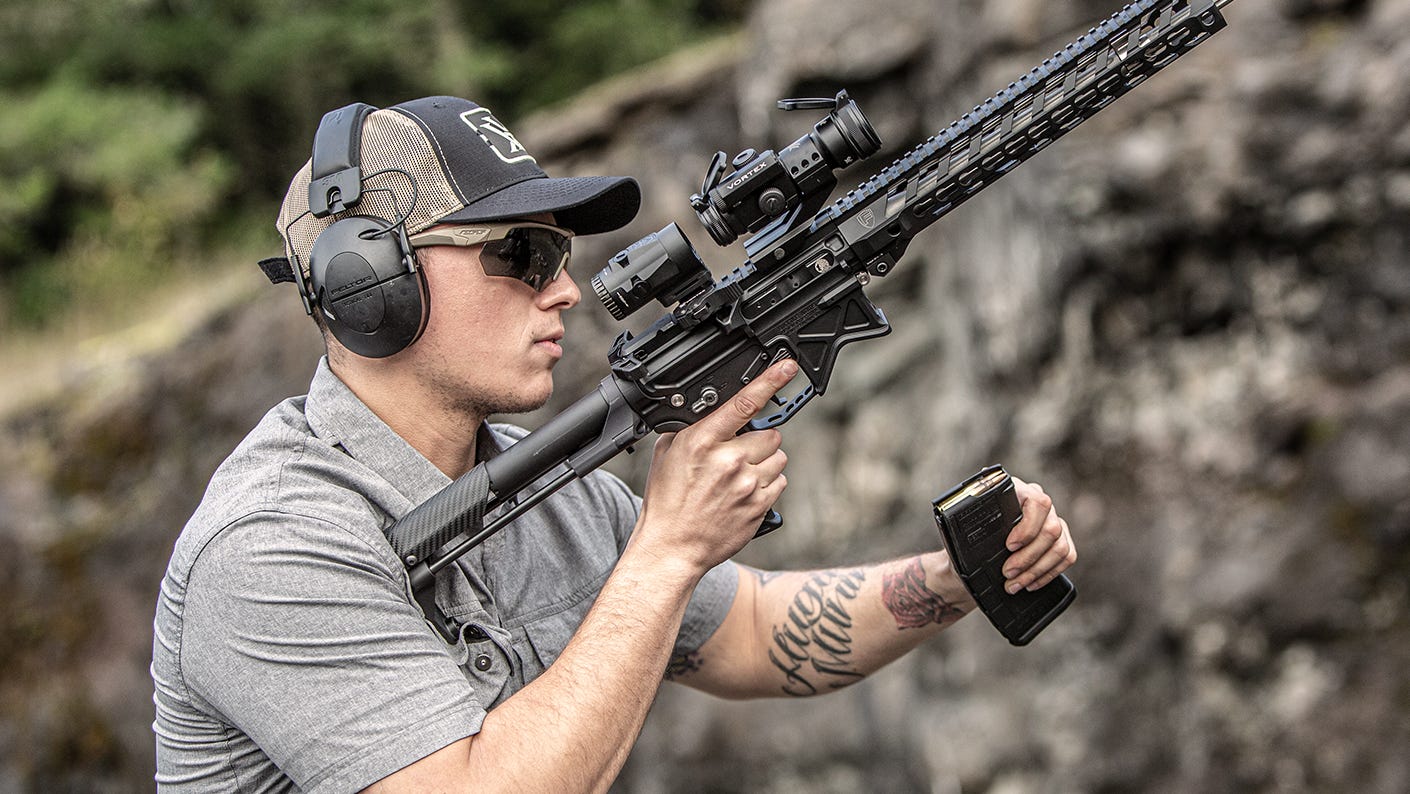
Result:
pixel 335 179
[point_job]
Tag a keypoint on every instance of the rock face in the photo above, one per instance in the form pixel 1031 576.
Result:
pixel 1188 320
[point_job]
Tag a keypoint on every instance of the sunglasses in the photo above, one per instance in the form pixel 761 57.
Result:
pixel 535 253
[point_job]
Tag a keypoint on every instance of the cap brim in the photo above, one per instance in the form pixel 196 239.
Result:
pixel 583 204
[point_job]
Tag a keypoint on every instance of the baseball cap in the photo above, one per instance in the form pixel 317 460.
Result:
pixel 444 159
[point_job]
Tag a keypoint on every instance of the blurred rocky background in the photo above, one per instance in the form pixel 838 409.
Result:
pixel 1189 320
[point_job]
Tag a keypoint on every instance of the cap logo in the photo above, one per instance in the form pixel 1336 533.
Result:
pixel 500 140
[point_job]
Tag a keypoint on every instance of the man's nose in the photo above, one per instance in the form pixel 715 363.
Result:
pixel 562 292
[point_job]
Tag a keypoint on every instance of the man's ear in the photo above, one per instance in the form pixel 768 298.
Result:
pixel 337 354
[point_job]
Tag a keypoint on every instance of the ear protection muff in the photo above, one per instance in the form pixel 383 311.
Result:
pixel 362 271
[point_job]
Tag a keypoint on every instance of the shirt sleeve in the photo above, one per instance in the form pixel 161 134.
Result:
pixel 300 634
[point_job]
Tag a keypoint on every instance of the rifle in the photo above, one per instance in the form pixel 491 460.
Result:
pixel 799 293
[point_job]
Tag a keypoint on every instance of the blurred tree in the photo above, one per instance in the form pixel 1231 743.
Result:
pixel 103 186
pixel 140 131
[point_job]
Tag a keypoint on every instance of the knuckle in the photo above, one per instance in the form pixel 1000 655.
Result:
pixel 733 465
pixel 745 405
pixel 1051 530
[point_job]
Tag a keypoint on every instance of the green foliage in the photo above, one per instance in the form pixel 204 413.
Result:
pixel 137 132
pixel 109 183
pixel 568 45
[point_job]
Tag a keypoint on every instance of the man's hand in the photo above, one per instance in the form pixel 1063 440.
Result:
pixel 1041 543
pixel 710 486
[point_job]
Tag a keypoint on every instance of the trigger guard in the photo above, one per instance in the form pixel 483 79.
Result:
pixel 785 413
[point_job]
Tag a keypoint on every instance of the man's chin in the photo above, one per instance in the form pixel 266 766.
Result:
pixel 523 404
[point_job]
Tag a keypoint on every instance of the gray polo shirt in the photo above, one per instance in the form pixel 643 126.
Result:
pixel 288 653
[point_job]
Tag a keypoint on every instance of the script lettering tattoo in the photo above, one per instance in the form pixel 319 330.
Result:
pixel 681 664
pixel 911 603
pixel 812 647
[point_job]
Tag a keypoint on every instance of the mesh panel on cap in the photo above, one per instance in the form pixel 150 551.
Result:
pixel 389 140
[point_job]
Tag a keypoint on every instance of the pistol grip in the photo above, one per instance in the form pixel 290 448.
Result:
pixel 771 522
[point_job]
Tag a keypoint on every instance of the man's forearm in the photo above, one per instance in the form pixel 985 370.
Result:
pixel 828 629
pixel 804 633
pixel 815 631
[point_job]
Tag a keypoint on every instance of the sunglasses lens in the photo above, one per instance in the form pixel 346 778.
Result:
pixel 534 256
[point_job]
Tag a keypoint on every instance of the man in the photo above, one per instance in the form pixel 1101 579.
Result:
pixel 289 653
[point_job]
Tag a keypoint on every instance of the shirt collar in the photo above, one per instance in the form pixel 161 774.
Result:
pixel 339 418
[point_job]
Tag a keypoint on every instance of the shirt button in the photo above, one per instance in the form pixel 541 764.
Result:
pixel 482 662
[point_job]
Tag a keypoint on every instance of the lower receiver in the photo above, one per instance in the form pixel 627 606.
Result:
pixel 975 520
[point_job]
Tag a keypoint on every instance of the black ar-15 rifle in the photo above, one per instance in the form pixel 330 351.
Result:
pixel 799 294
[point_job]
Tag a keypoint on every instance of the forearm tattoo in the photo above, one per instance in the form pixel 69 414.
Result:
pixel 812 648
pixel 912 603
pixel 681 664
pixel 764 577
